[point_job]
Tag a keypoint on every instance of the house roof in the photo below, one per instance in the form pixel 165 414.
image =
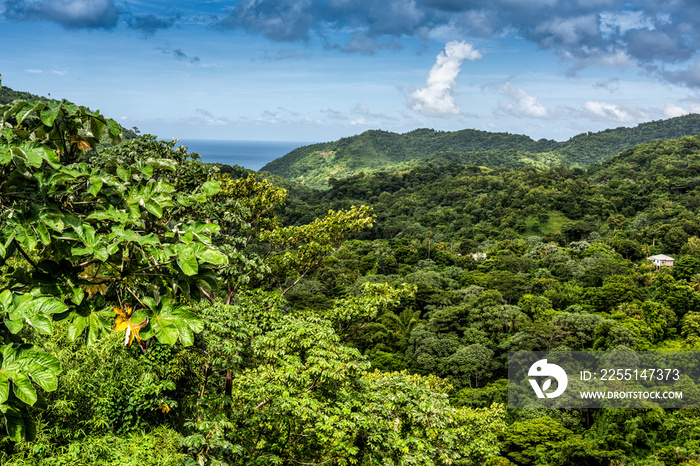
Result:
pixel 661 257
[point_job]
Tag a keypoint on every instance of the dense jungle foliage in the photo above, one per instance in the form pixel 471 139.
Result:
pixel 373 151
pixel 560 264
pixel 157 310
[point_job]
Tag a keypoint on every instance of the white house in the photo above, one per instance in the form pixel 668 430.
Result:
pixel 661 260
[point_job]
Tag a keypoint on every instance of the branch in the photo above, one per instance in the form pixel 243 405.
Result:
pixel 207 295
pixel 309 269
pixel 261 404
pixel 26 256
pixel 86 263
pixel 136 298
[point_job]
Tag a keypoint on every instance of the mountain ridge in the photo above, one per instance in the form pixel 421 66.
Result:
pixel 377 150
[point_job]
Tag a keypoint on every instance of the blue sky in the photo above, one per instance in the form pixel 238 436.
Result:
pixel 310 70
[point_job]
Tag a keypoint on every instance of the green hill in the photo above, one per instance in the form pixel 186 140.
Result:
pixel 375 151
pixel 649 190
pixel 8 95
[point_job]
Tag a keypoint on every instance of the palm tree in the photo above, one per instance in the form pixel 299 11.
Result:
pixel 394 330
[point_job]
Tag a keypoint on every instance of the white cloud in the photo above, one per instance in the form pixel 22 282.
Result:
pixel 436 97
pixel 613 112
pixel 360 121
pixel 522 104
pixel 671 111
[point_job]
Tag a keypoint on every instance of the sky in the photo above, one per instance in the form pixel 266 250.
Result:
pixel 314 71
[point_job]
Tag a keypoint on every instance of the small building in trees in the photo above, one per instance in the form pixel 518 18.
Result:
pixel 661 260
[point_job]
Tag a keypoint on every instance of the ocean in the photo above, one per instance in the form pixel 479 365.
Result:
pixel 249 154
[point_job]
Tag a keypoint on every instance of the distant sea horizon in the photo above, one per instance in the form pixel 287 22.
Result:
pixel 249 154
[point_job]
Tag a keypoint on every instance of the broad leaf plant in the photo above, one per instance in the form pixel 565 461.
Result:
pixel 102 243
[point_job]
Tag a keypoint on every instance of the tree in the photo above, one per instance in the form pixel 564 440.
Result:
pixel 89 239
pixel 535 439
pixel 299 395
pixel 470 363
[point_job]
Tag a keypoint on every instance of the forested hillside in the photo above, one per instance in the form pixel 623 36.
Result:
pixel 564 268
pixel 8 95
pixel 381 151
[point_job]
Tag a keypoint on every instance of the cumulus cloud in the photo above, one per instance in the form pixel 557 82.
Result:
pixel 436 98
pixel 71 14
pixel 613 112
pixel 521 103
pixel 672 111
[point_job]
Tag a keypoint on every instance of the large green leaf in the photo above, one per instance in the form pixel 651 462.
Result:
pixel 25 235
pixel 43 233
pixel 14 326
pixel 52 220
pixel 33 158
pixel 13 423
pixel 212 256
pixel 123 173
pixel 188 265
pixel 28 110
pixel 44 369
pixel 23 389
pixel 164 329
pixel 173 322
pixel 95 185
pixel 76 326
pixel 210 188
pixel 43 305
pixel 41 323
pixel 153 207
pixel 48 116
pixel 111 215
